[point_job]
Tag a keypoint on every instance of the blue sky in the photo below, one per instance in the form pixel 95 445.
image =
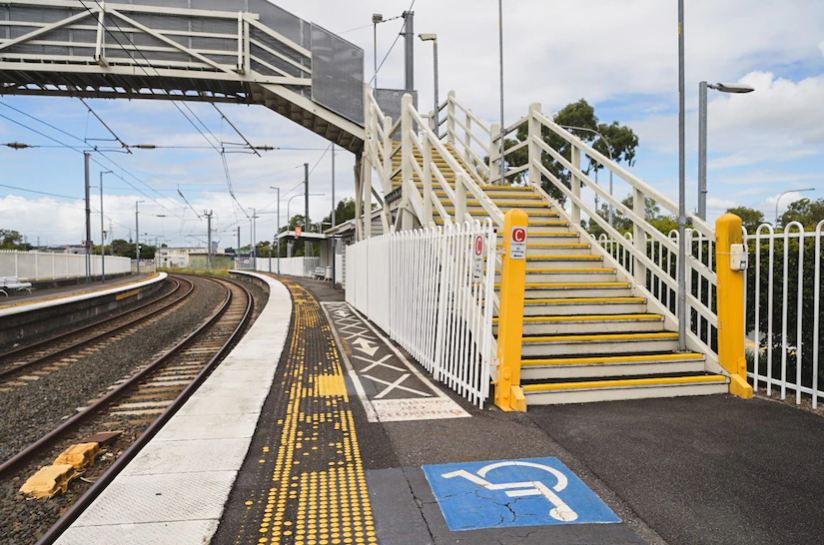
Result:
pixel 621 56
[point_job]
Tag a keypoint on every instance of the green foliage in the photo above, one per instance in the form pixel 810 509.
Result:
pixel 13 240
pixel 765 318
pixel 122 248
pixel 806 212
pixel 623 143
pixel 344 211
pixel 663 222
pixel 752 219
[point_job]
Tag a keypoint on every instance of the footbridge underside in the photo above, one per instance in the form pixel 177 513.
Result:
pixel 240 51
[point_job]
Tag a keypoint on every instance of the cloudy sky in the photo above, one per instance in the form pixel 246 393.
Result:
pixel 620 56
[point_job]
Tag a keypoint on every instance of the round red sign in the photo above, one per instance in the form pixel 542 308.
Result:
pixel 479 246
pixel 518 234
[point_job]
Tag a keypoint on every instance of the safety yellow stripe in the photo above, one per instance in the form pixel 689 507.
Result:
pixel 506 188
pixel 570 270
pixel 545 222
pixel 594 318
pixel 554 244
pixel 505 195
pixel 612 359
pixel 702 379
pixel 617 337
pixel 565 257
pixel 586 300
pixel 551 285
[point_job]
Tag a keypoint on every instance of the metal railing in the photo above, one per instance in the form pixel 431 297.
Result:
pixel 425 289
pixel 784 310
pixel 51 266
pixel 469 147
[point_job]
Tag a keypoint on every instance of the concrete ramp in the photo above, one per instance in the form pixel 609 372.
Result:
pixel 241 51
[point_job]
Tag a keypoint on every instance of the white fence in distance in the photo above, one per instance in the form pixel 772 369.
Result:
pixel 427 290
pixel 35 266
pixel 289 266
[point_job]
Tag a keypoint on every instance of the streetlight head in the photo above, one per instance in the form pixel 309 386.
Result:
pixel 734 88
pixel 377 18
pixel 428 37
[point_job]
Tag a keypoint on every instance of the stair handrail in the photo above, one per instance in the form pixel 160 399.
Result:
pixel 462 178
pixel 483 139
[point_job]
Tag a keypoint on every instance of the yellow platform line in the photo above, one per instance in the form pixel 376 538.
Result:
pixel 612 359
pixel 550 285
pixel 78 293
pixel 673 381
pixel 582 245
pixel 616 337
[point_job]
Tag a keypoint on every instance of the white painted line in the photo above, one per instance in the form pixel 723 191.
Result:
pixel 371 414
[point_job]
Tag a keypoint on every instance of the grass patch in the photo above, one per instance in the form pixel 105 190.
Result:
pixel 186 270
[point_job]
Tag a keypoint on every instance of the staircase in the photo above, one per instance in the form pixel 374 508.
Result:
pixel 588 335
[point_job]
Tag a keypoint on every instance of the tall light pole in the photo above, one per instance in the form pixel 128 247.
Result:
pixel 137 233
pixel 253 225
pixel 501 62
pixel 333 186
pixel 376 19
pixel 102 231
pixel 409 49
pixel 277 233
pixel 682 192
pixel 787 193
pixel 208 238
pixel 735 88
pixel 434 39
pixel 609 151
pixel 88 241
pixel 306 244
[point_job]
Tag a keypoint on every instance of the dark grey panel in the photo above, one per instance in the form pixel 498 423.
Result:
pixel 389 101
pixel 337 74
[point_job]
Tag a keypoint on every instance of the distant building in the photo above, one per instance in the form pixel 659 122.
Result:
pixel 174 258
pixel 73 249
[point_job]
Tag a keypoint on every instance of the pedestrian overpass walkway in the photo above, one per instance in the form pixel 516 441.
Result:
pixel 237 51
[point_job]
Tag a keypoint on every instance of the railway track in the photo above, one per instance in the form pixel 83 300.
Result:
pixel 56 350
pixel 139 405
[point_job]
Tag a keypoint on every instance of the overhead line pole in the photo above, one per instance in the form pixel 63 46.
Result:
pixel 682 192
pixel 102 231
pixel 409 49
pixel 306 246
pixel 88 241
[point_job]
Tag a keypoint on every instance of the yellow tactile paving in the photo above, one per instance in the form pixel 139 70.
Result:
pixel 318 493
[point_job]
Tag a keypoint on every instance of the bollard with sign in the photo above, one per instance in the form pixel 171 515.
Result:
pixel 509 395
pixel 478 261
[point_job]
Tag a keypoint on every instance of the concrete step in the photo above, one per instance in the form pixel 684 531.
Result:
pixel 562 261
pixel 573 325
pixel 612 390
pixel 552 290
pixel 513 196
pixel 585 306
pixel 599 344
pixel 610 366
pixel 548 235
pixel 573 275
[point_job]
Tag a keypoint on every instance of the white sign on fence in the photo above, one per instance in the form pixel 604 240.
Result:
pixel 478 262
pixel 517 247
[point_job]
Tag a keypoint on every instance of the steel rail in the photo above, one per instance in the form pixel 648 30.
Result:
pixel 85 342
pixel 108 476
pixel 81 416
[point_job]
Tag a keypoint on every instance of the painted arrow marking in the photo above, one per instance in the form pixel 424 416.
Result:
pixel 366 347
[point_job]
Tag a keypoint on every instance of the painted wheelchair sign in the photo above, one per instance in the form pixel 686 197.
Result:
pixel 507 493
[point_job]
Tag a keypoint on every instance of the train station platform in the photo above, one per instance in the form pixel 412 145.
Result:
pixel 318 430
pixel 23 300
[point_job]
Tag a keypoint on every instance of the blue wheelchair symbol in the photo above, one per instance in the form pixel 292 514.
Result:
pixel 510 493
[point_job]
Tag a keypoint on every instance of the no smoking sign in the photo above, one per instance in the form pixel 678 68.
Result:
pixel 517 246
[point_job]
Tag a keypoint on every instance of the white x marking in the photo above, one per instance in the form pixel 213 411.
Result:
pixel 393 385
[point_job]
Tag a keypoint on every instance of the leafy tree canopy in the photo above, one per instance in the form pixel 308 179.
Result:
pixel 806 212
pixel 752 219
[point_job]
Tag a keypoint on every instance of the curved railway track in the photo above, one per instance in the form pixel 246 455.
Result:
pixel 142 403
pixel 28 358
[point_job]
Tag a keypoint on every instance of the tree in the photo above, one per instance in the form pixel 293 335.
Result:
pixel 652 212
pixel 806 212
pixel 344 211
pixel 12 240
pixel 120 247
pixel 623 143
pixel 752 219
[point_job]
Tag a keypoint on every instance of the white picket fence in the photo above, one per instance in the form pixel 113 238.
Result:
pixel 35 266
pixel 291 266
pixel 420 287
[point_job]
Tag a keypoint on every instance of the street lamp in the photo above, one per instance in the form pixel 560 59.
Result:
pixel 434 39
pixel 289 203
pixel 733 88
pixel 609 151
pixel 277 234
pixel 376 19
pixel 102 231
pixel 501 62
pixel 787 193
pixel 681 271
pixel 137 233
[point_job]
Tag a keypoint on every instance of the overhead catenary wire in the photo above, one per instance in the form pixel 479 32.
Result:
pixel 91 111
pixel 398 37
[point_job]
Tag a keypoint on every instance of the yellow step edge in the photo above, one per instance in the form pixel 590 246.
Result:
pixel 554 244
pixel 586 300
pixel 613 337
pixel 574 285
pixel 612 359
pixel 568 270
pixel 566 257
pixel 593 318
pixel 544 222
pixel 668 381
pixel 559 234
pixel 507 187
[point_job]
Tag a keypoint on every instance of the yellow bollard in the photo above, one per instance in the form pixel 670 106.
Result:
pixel 730 249
pixel 509 395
